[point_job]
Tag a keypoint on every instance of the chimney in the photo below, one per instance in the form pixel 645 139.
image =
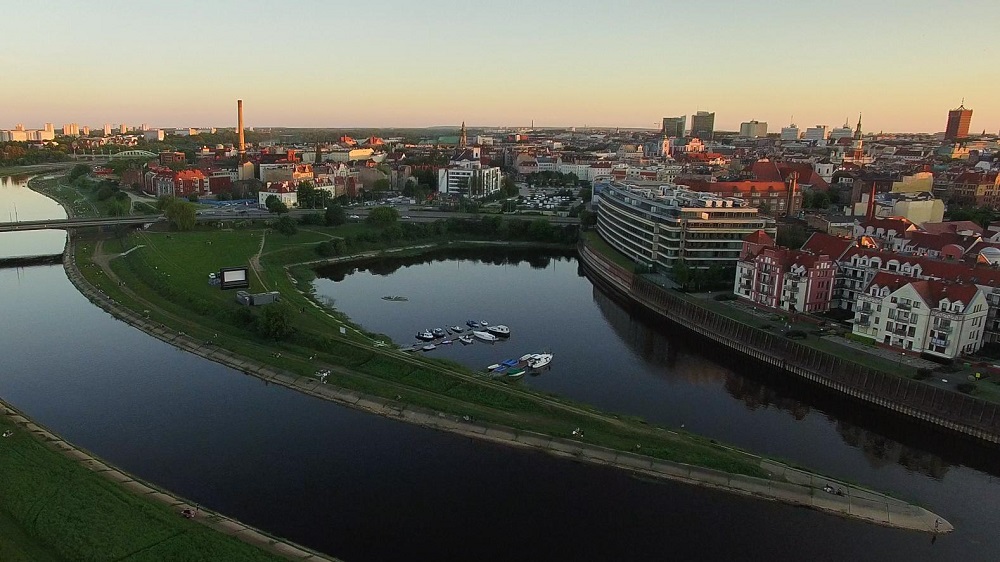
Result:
pixel 239 116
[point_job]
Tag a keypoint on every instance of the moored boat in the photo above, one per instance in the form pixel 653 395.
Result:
pixel 485 336
pixel 466 339
pixel 472 323
pixel 456 329
pixel 515 373
pixel 429 347
pixel 499 330
pixel 540 360
pixel 425 335
pixel 438 332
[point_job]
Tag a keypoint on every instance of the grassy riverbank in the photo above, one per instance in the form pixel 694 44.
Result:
pixel 53 508
pixel 165 278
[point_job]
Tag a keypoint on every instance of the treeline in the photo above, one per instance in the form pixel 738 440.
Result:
pixel 113 201
pixel 486 227
pixel 22 154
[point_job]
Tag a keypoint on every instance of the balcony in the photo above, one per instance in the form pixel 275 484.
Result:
pixel 944 329
pixel 903 306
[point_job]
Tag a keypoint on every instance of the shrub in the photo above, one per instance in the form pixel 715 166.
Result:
pixel 966 387
pixel 725 297
pixel 795 334
pixel 923 374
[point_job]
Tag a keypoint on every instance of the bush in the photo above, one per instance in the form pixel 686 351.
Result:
pixel 312 219
pixel 286 225
pixel 966 387
pixel 795 335
pixel 725 297
pixel 923 374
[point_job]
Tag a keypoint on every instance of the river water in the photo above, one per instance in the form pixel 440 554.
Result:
pixel 362 487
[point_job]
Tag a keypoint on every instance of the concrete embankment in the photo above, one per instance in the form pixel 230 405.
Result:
pixel 786 484
pixel 26 261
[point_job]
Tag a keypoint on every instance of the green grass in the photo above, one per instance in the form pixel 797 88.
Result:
pixel 598 244
pixel 171 271
pixel 55 509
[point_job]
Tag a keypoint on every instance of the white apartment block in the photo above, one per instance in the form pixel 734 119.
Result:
pixel 925 316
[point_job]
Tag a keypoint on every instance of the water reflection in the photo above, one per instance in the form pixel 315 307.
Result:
pixel 487 255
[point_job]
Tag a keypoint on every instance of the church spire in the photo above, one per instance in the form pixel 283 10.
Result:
pixel 857 132
pixel 462 139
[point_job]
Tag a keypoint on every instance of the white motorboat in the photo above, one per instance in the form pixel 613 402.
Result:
pixel 429 347
pixel 539 360
pixel 499 330
pixel 485 336
pixel 425 335
pixel 466 339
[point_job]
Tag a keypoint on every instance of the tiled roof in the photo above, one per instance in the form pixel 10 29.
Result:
pixel 822 243
pixel 760 237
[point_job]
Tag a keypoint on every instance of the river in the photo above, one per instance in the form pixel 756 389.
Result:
pixel 362 487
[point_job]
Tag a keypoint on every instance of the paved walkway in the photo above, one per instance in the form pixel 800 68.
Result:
pixel 785 484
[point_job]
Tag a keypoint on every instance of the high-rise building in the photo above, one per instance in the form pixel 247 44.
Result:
pixel 107 129
pixel 817 133
pixel 674 126
pixel 753 129
pixel 958 123
pixel 790 133
pixel 844 132
pixel 123 129
pixel 703 125
pixel 50 128
pixel 71 130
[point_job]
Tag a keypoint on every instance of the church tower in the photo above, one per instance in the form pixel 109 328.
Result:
pixel 856 145
pixel 463 140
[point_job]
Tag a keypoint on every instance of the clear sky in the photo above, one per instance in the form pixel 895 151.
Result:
pixel 902 63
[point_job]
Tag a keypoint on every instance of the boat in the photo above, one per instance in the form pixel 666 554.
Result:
pixel 456 329
pixel 501 370
pixel 438 332
pixel 493 367
pixel 472 323
pixel 510 363
pixel 466 339
pixel 396 298
pixel 485 336
pixel 484 323
pixel 499 330
pixel 425 335
pixel 446 342
pixel 515 373
pixel 429 347
pixel 540 360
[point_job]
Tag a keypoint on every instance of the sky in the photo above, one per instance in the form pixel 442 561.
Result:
pixel 392 63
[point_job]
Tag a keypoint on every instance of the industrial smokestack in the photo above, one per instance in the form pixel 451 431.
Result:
pixel 239 115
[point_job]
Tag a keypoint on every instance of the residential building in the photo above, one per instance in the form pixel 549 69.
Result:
pixel 703 125
pixel 959 120
pixel 844 132
pixel 285 191
pixel 674 126
pixel 668 224
pixel 923 316
pixel 779 278
pixel 153 135
pixel 472 182
pixel 753 129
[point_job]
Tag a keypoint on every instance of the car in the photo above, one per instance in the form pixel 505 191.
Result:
pixel 405 217
pixel 354 217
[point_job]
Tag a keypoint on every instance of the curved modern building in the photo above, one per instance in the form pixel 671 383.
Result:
pixel 659 226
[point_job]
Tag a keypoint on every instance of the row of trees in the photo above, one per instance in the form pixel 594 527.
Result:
pixel 552 179
pixel 14 153
pixel 489 227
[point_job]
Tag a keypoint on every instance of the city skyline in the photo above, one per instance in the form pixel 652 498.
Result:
pixel 561 64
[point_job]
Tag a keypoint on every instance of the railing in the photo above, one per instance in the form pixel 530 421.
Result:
pixel 942 407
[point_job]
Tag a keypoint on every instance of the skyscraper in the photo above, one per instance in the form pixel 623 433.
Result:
pixel 703 125
pixel 674 126
pixel 958 123
pixel 753 129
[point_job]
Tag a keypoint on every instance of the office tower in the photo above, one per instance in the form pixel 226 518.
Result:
pixel 958 123
pixel 753 129
pixel 674 126
pixel 703 125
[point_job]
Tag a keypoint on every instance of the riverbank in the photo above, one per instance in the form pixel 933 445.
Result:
pixel 502 418
pixel 93 511
pixel 952 411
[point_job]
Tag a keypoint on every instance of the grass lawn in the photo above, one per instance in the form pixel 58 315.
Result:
pixel 168 278
pixel 595 241
pixel 55 509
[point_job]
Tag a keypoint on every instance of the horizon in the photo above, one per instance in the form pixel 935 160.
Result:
pixel 563 65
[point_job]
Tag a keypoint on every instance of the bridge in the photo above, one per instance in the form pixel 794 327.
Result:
pixel 133 153
pixel 252 214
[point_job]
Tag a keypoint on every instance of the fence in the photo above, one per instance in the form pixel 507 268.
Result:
pixel 942 407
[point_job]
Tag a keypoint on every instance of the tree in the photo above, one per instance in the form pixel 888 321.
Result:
pixel 586 193
pixel 681 273
pixel 286 225
pixel 181 214
pixel 335 215
pixel 791 236
pixel 383 216
pixel 382 184
pixel 306 194
pixel 79 171
pixel 274 322
pixel 275 205
pixel 192 197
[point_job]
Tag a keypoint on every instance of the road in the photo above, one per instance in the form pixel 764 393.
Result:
pixel 228 214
